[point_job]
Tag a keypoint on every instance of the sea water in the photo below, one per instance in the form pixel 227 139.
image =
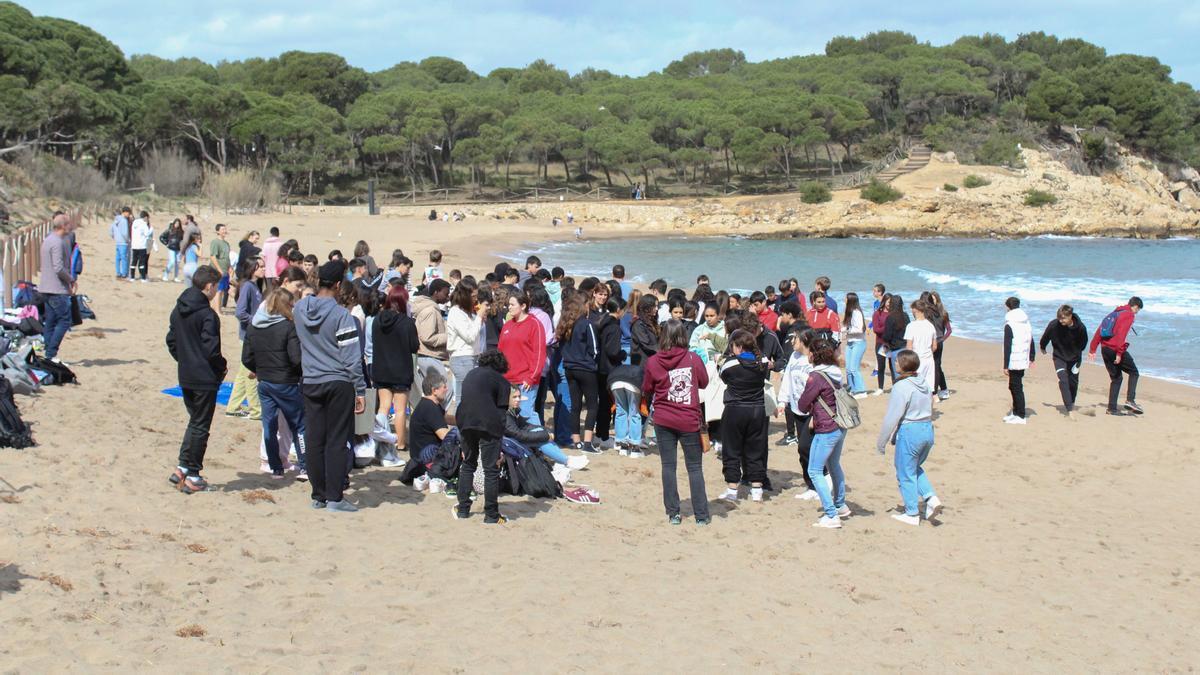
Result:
pixel 973 276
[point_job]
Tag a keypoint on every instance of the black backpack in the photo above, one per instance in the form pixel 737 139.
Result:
pixel 14 433
pixel 56 373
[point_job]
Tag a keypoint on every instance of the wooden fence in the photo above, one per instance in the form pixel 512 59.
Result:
pixel 20 254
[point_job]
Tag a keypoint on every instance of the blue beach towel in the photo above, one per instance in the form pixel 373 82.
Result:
pixel 222 393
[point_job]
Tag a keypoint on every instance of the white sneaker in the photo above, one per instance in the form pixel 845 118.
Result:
pixel 877 392
pixel 420 483
pixel 392 460
pixel 729 495
pixel 561 473
pixel 623 451
pixel 1014 420
pixel 264 467
pixel 844 512
pixel 860 395
pixel 636 454
pixel 1009 416
pixel 933 506
pixel 808 495
pixel 829 523
pixel 756 494
pixel 907 519
pixel 145 281
pixel 436 485
pixel 578 462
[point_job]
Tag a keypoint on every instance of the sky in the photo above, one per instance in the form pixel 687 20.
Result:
pixel 628 38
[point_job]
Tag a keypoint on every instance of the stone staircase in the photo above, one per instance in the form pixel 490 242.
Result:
pixel 918 157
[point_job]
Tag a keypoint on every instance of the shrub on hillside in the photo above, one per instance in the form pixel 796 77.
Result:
pixel 950 187
pixel 170 172
pixel 241 189
pixel 1000 150
pixel 880 193
pixel 55 177
pixel 1039 198
pixel 973 181
pixel 815 193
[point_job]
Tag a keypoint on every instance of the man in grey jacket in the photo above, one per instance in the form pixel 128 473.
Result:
pixel 56 286
pixel 333 387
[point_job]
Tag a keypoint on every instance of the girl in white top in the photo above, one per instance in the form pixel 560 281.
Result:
pixel 854 338
pixel 921 337
pixel 464 324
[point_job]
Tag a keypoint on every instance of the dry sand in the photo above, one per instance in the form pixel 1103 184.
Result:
pixel 1064 546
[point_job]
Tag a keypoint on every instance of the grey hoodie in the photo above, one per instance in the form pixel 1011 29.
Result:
pixel 262 318
pixel 911 401
pixel 328 343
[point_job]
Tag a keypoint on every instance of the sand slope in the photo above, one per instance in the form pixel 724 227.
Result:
pixel 1065 546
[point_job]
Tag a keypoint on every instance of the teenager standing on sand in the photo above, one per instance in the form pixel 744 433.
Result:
pixel 893 331
pixel 1018 356
pixel 394 344
pixel 744 420
pixel 580 359
pixel 673 379
pixel 334 387
pixel 908 424
pixel 819 402
pixel 251 272
pixel 1112 336
pixel 878 326
pixel 523 343
pixel 791 386
pixel 920 336
pixel 854 330
pixel 194 341
pixel 271 353
pixel 1069 337
pixel 487 396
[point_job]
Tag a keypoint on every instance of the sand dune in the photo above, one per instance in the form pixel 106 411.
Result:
pixel 1064 546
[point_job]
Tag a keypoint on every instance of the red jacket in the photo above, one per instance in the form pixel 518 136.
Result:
pixel 826 319
pixel 523 343
pixel 1118 342
pixel 769 318
pixel 672 381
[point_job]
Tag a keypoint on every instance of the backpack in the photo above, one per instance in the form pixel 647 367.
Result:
pixel 846 413
pixel 14 433
pixel 1108 327
pixel 76 262
pixel 56 373
pixel 27 294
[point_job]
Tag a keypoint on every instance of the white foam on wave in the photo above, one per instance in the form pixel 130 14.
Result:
pixel 1162 296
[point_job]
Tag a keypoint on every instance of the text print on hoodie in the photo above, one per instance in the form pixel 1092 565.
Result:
pixel 1018 340
pixel 329 343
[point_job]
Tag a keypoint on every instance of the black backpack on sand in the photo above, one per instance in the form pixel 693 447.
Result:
pixel 14 433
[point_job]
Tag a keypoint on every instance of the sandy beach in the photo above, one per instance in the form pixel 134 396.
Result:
pixel 1065 546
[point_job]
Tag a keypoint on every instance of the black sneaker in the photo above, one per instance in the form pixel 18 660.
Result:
pixel 1114 412
pixel 193 484
pixel 498 520
pixel 703 521
pixel 786 440
pixel 177 476
pixel 590 448
pixel 1134 408
pixel 676 519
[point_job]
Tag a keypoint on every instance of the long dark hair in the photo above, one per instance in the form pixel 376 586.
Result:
pixel 647 312
pixel 673 334
pixel 822 353
pixel 464 296
pixel 573 311
pixel 744 341
pixel 538 297
pixel 852 306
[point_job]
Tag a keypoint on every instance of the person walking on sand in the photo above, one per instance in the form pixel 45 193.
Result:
pixel 194 341
pixel 333 386
pixel 1112 336
pixel 1019 354
pixel 1069 337
pixel 908 425
pixel 673 379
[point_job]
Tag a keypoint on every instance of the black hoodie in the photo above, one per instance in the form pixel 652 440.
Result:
pixel 394 344
pixel 608 332
pixel 194 340
pixel 1069 342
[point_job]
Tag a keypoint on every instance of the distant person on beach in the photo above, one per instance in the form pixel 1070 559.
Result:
pixel 173 240
pixel 270 254
pixel 822 284
pixel 1019 354
pixel 191 232
pixel 618 275
pixel 1069 337
pixel 434 269
pixel 194 341
pixel 908 425
pixel 56 285
pixel 119 232
pixel 334 387
pixel 141 237
pixel 1112 336
pixel 218 257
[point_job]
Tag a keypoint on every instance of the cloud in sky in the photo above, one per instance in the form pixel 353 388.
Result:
pixel 620 36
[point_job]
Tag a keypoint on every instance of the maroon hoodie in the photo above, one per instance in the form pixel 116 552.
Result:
pixel 673 381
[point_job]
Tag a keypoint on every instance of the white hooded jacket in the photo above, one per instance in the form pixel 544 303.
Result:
pixel 1018 335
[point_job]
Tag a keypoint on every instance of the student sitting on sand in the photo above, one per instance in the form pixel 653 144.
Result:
pixel 908 424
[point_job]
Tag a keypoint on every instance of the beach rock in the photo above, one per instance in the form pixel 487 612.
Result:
pixel 1190 199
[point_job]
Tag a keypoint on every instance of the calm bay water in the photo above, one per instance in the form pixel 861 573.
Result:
pixel 973 276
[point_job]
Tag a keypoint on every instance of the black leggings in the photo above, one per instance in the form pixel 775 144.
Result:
pixel 583 386
pixel 882 364
pixel 940 376
pixel 804 446
pixel 604 415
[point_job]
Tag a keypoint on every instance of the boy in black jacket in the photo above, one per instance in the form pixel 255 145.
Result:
pixel 486 398
pixel 194 340
pixel 1069 337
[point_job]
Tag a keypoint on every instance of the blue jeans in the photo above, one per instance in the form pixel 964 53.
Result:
pixel 285 398
pixel 628 422
pixel 57 323
pixel 460 366
pixel 553 452
pixel 826 452
pixel 556 379
pixel 173 265
pixel 914 440
pixel 854 355
pixel 528 402
pixel 122 260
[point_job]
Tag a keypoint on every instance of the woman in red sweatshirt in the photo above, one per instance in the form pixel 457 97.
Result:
pixel 523 343
pixel 673 379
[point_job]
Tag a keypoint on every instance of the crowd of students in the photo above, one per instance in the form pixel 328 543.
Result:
pixel 448 356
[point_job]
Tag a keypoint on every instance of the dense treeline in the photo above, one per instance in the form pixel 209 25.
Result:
pixel 711 116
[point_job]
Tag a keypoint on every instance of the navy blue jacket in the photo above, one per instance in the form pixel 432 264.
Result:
pixel 579 353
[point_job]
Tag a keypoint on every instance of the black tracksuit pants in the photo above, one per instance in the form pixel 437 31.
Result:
pixel 479 446
pixel 1016 387
pixel 329 426
pixel 744 441
pixel 604 416
pixel 200 406
pixel 584 396
pixel 1116 371
pixel 1068 381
